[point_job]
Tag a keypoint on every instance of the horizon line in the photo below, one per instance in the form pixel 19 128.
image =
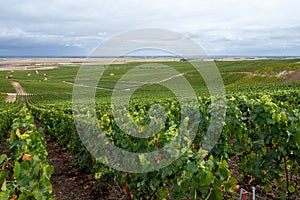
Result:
pixel 154 56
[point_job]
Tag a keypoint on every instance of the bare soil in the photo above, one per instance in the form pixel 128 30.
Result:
pixel 25 68
pixel 260 193
pixel 70 183
pixel 293 77
pixel 11 97
pixel 48 63
pixel 19 89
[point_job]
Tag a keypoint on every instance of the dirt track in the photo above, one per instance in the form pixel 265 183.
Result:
pixel 19 89
pixel 12 97
pixel 293 77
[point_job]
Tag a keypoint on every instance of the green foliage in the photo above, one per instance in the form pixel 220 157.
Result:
pixel 195 164
pixel 264 130
pixel 7 114
pixel 31 171
pixel 267 65
pixel 234 73
pixel 262 126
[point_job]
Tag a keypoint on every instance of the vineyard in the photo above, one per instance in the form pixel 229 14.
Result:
pixel 259 145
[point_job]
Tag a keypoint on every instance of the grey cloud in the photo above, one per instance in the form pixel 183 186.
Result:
pixel 223 27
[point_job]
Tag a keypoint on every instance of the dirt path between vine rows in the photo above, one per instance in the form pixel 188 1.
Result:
pixel 70 183
pixel 67 181
pixel 12 97
pixel 293 77
pixel 19 89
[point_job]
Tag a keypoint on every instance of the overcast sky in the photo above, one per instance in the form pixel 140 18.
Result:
pixel 221 27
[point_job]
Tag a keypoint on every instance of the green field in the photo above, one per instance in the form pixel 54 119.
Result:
pixel 236 75
pixel 259 143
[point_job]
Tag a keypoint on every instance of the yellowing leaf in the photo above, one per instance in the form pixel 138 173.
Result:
pixel 18 133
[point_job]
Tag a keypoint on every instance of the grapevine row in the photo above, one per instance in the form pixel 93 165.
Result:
pixel 26 175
